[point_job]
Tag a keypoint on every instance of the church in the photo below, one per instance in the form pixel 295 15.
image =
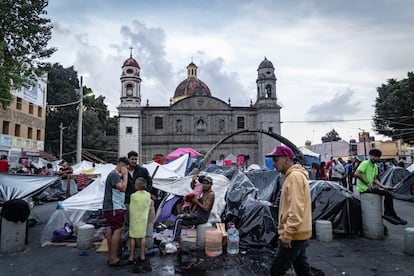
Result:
pixel 196 119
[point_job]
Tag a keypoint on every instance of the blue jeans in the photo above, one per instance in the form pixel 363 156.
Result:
pixel 286 257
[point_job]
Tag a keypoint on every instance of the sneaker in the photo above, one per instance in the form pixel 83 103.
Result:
pixel 402 222
pixel 391 219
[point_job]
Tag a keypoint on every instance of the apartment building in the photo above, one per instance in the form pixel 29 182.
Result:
pixel 22 124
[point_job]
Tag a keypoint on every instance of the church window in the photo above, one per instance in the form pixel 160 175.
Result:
pixel 201 125
pixel 268 91
pixel 128 130
pixel 158 123
pixel 179 126
pixel 221 125
pixel 240 122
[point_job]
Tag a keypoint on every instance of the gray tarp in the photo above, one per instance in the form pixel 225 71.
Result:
pixel 17 186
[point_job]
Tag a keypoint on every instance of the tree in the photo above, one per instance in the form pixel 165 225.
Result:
pixel 62 90
pixel 24 34
pixel 394 109
pixel 331 136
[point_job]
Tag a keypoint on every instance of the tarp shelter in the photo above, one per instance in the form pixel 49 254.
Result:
pixel 405 188
pixel 80 206
pixel 180 152
pixel 333 202
pixel 18 186
pixel 392 175
pixel 309 155
pixel 248 207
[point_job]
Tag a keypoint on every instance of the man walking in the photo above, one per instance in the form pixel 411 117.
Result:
pixel 295 216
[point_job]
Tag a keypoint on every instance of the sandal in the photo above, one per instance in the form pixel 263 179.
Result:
pixel 118 263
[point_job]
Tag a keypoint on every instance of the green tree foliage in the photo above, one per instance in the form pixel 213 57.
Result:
pixel 62 89
pixel 394 109
pixel 331 136
pixel 24 34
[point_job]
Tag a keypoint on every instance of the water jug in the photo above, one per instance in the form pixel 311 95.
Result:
pixel 201 234
pixel 232 239
pixel 213 242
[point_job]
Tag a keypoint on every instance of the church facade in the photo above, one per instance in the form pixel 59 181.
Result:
pixel 197 119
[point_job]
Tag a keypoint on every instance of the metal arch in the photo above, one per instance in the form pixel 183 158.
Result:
pixel 283 140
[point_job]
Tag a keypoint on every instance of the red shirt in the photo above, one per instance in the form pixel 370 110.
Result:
pixel 4 165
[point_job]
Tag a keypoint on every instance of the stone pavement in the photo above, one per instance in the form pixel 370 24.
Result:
pixel 342 256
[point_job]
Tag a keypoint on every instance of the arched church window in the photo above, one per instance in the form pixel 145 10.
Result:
pixel 221 125
pixel 179 126
pixel 201 125
pixel 268 91
pixel 129 89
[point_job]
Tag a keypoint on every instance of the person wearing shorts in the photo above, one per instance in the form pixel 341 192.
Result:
pixel 114 207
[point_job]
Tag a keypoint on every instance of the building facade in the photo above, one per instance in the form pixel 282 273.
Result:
pixel 22 124
pixel 197 119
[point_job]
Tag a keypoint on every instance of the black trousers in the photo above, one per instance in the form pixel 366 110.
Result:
pixel 296 256
pixel 180 222
pixel 388 201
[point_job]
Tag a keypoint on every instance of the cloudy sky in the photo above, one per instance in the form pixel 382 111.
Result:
pixel 329 56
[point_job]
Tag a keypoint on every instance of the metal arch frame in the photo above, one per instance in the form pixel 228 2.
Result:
pixel 298 154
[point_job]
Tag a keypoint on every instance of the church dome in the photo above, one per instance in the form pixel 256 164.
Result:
pixel 266 64
pixel 191 86
pixel 131 62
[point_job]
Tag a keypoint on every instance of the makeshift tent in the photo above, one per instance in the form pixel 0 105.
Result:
pixel 182 187
pixel 18 186
pixel 254 218
pixel 333 202
pixel 410 168
pixel 78 207
pixel 392 175
pixel 180 152
pixel 309 155
pixel 405 188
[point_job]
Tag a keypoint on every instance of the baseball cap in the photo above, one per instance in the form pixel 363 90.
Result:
pixel 208 178
pixel 281 151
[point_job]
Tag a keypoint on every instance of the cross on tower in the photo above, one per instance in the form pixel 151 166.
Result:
pixel 130 49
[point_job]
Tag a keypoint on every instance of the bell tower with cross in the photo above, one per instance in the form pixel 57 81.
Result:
pixel 129 110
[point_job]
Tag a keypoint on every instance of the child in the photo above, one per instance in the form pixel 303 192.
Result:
pixel 138 218
pixel 197 187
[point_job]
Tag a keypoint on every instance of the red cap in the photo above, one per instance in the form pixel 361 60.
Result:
pixel 282 151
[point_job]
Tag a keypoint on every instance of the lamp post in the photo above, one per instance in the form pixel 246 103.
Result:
pixel 79 136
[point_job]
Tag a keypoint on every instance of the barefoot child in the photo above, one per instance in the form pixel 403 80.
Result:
pixel 138 218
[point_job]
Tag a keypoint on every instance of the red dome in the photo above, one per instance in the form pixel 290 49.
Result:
pixel 190 87
pixel 131 62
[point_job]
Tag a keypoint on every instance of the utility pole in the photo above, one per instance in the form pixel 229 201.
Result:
pixel 61 140
pixel 79 137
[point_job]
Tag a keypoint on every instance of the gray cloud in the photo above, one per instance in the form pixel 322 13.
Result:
pixel 336 108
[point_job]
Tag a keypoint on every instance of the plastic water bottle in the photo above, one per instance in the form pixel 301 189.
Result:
pixel 232 240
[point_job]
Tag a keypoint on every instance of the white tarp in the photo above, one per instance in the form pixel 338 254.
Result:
pixel 43 163
pixel 182 187
pixel 308 152
pixel 18 186
pixel 411 168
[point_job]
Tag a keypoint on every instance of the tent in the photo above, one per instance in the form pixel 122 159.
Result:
pixel 333 202
pixel 18 186
pixel 405 188
pixel 309 155
pixel 180 152
pixel 392 175
pixel 79 206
